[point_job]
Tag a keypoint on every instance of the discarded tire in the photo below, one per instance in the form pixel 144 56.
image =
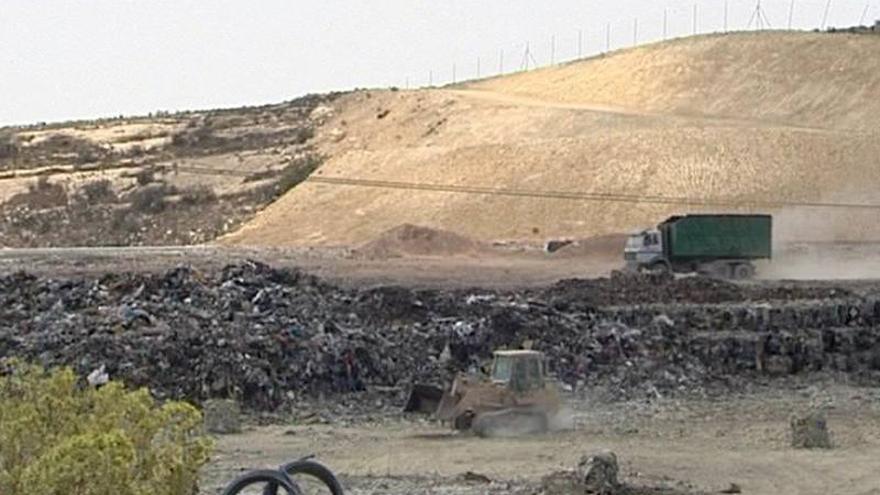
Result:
pixel 259 477
pixel 309 468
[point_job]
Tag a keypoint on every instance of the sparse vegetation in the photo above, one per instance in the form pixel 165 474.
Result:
pixel 150 198
pixel 196 136
pixel 298 171
pixel 60 437
pixel 145 176
pixel 8 145
pixel 197 195
pixel 41 194
pixel 67 210
pixel 99 191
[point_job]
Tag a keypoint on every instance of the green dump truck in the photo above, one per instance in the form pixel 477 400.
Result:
pixel 718 245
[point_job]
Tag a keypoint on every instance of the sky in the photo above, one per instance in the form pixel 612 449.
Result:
pixel 74 59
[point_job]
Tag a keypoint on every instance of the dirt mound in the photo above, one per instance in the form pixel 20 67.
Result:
pixel 738 119
pixel 413 240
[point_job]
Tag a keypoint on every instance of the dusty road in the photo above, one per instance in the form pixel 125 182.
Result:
pixel 502 268
pixel 694 446
pixel 516 266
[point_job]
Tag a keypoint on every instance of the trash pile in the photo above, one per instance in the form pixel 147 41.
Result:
pixel 268 337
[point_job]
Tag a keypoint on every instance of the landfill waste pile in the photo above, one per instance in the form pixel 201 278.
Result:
pixel 268 337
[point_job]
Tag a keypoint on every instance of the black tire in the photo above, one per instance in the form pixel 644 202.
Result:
pixel 309 468
pixel 270 478
pixel 742 271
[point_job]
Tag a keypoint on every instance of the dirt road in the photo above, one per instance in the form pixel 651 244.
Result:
pixel 496 268
pixel 694 446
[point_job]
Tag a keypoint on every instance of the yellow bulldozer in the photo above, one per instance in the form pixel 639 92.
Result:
pixel 516 397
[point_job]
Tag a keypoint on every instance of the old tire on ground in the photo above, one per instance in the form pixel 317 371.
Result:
pixel 272 479
pixel 313 470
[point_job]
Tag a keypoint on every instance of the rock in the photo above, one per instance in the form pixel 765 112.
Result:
pixel 556 244
pixel 222 416
pixel 598 473
pixel 733 488
pixel 810 431
pixel 559 483
pixel 472 477
pixel 98 377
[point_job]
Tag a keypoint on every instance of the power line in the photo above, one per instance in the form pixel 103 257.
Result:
pixel 825 15
pixel 759 18
pixel 579 196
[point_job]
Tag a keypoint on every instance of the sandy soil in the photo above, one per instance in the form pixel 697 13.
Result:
pixel 743 118
pixel 696 445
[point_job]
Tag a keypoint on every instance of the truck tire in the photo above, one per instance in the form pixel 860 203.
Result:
pixel 742 271
pixel 657 268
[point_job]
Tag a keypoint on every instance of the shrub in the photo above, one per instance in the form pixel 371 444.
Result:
pixel 196 137
pixel 41 194
pixel 150 198
pixel 145 176
pixel 298 171
pixel 9 145
pixel 58 437
pixel 200 194
pixel 99 191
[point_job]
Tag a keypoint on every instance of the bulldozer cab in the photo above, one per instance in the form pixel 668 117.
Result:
pixel 518 370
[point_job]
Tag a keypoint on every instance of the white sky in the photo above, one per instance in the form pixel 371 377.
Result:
pixel 64 59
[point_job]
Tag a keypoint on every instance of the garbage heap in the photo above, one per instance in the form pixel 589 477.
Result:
pixel 267 337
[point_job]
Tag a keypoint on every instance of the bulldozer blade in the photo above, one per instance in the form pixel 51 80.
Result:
pixel 423 399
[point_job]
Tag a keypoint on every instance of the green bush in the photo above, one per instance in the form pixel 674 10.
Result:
pixel 58 437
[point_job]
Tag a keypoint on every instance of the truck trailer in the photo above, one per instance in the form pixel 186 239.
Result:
pixel 724 245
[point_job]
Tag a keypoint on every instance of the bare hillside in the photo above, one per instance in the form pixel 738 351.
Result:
pixel 746 117
pixel 811 79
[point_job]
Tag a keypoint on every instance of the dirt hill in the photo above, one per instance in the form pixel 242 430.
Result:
pixel 739 117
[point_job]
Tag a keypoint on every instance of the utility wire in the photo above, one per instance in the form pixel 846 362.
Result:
pixel 579 196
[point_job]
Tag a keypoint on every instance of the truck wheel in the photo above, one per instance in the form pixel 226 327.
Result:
pixel 742 272
pixel 657 268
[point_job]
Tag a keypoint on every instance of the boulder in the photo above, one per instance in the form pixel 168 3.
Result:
pixel 222 416
pixel 598 473
pixel 810 431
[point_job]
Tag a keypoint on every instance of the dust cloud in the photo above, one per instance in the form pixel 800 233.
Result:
pixel 827 243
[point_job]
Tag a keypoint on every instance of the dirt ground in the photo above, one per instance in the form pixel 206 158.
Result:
pixel 695 446
pixel 497 267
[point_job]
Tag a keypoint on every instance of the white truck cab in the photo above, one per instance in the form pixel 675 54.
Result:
pixel 643 249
